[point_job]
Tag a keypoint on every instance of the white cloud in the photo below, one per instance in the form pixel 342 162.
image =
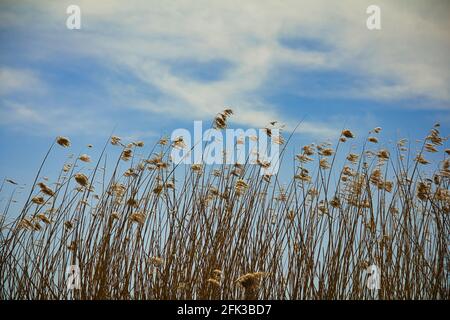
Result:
pixel 406 59
pixel 50 120
pixel 19 80
pixel 410 50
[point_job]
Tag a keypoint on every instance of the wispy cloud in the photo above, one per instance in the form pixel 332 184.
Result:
pixel 43 120
pixel 251 41
pixel 19 81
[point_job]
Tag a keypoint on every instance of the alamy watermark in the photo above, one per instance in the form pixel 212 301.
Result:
pixel 373 22
pixel 73 21
pixel 228 146
pixel 374 279
pixel 73 277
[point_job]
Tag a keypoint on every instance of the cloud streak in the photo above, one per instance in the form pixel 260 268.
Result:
pixel 18 80
pixel 146 39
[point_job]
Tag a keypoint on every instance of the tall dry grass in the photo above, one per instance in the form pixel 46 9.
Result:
pixel 155 231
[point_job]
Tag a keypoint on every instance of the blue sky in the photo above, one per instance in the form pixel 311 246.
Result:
pixel 144 68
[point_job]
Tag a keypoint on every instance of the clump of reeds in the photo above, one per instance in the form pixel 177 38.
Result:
pixel 148 228
pixel 251 282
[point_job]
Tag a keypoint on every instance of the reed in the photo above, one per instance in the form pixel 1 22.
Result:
pixel 156 231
